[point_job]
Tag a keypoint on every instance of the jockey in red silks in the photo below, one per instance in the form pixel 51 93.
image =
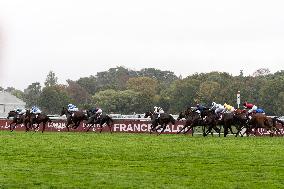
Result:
pixel 250 107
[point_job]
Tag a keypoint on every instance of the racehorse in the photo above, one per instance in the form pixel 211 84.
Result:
pixel 74 118
pixel 17 119
pixel 227 121
pixel 262 121
pixel 163 121
pixel 240 120
pixel 193 119
pixel 41 118
pixel 211 120
pixel 101 120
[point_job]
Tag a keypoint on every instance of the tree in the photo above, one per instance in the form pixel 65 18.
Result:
pixel 32 94
pixel 79 95
pixel 145 85
pixel 181 94
pixel 51 79
pixel 18 93
pixel 208 92
pixel 126 102
pixel 53 98
pixel 89 83
pixel 271 96
pixel 261 72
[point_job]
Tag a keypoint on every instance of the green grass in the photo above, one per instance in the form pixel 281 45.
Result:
pixel 91 160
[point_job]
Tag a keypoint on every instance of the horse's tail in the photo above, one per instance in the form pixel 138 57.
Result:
pixel 110 120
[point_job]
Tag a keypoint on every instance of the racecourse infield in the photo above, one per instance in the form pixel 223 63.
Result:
pixel 124 160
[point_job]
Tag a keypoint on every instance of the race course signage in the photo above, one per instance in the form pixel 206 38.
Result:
pixel 119 125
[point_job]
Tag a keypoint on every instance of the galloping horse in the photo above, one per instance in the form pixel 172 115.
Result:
pixel 211 120
pixel 41 118
pixel 193 119
pixel 73 119
pixel 262 121
pixel 102 119
pixel 17 119
pixel 240 120
pixel 163 121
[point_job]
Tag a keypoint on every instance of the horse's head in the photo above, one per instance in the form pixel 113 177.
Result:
pixel 12 113
pixel 181 115
pixel 64 111
pixel 148 114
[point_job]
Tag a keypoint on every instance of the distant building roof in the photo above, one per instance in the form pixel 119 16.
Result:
pixel 7 98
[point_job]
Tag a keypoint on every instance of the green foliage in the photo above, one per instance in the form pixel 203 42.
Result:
pixel 32 94
pixel 271 96
pixel 89 84
pixel 145 85
pixel 182 94
pixel 123 90
pixel 79 95
pixel 124 102
pixel 53 98
pixel 80 160
pixel 18 93
pixel 51 79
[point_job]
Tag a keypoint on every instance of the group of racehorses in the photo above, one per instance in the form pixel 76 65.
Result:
pixel 207 119
pixel 29 119
pixel 241 119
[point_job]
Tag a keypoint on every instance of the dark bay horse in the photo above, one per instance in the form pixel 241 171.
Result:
pixel 161 122
pixel 38 119
pixel 18 119
pixel 101 120
pixel 211 120
pixel 75 119
pixel 240 120
pixel 193 119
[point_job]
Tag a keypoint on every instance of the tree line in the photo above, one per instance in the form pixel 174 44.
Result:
pixel 125 91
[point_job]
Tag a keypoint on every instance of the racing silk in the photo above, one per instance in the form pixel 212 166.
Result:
pixel 158 110
pixel 229 108
pixel 36 110
pixel 217 106
pixel 20 111
pixel 200 108
pixel 72 108
pixel 248 106
pixel 259 110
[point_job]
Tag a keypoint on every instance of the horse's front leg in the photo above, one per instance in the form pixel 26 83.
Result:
pixel 164 127
pixel 76 125
pixel 12 127
pixel 43 127
pixel 101 126
pixel 110 128
pixel 185 126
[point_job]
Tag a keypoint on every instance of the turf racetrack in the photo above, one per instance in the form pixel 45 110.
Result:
pixel 92 160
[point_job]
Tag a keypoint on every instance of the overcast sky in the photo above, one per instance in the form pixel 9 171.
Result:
pixel 78 38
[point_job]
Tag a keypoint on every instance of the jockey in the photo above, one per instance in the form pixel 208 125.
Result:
pixel 20 111
pixel 158 111
pixel 199 108
pixel 218 108
pixel 35 110
pixel 259 111
pixel 251 107
pixel 72 108
pixel 97 112
pixel 228 108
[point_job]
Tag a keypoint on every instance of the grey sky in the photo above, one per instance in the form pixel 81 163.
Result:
pixel 77 38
